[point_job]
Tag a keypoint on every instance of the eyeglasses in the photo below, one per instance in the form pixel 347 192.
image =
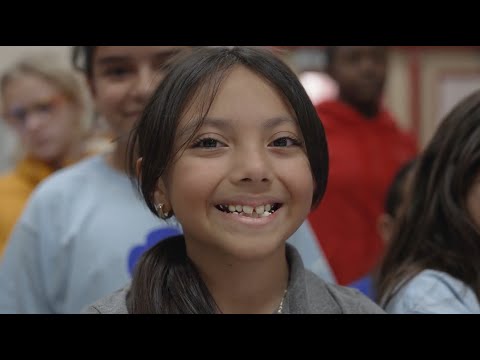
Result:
pixel 43 109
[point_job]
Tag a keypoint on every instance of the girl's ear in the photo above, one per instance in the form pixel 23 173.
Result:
pixel 160 193
pixel 160 197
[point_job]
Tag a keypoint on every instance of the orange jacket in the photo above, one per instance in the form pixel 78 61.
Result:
pixel 15 188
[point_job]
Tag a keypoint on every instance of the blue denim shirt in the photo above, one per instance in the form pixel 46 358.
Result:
pixel 434 292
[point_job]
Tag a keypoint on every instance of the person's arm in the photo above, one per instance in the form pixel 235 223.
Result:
pixel 21 282
pixel 33 269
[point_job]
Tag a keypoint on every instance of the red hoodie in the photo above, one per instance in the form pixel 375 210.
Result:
pixel 365 154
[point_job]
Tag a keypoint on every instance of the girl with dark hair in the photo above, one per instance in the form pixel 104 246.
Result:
pixel 232 146
pixel 433 261
pixel 394 203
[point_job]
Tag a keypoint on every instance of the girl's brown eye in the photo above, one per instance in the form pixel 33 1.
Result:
pixel 285 141
pixel 208 143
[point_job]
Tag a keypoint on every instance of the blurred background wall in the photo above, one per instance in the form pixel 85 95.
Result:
pixel 426 82
pixel 423 84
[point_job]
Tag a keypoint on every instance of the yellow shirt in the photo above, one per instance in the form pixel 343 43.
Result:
pixel 15 189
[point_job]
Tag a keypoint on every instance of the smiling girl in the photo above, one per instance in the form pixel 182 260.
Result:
pixel 231 145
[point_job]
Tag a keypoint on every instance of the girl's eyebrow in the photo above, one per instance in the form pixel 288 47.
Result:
pixel 276 121
pixel 226 126
pixel 193 125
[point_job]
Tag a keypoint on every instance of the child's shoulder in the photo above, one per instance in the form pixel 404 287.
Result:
pixel 432 291
pixel 70 178
pixel 115 303
pixel 338 299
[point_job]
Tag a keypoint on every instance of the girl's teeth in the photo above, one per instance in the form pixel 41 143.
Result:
pixel 248 209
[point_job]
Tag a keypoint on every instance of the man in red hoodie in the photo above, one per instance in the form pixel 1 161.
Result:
pixel 366 149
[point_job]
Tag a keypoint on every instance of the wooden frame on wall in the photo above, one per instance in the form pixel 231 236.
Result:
pixel 453 85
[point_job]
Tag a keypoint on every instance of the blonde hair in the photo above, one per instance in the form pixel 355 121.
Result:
pixel 48 66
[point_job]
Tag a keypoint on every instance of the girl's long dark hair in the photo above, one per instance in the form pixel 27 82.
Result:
pixel 436 231
pixel 166 281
